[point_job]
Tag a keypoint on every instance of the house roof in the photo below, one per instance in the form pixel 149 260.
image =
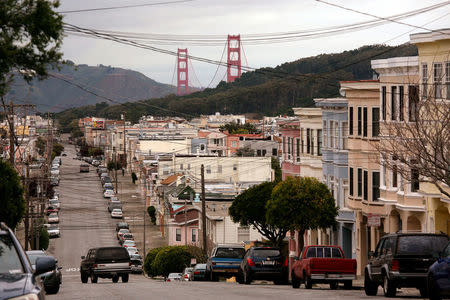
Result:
pixel 171 179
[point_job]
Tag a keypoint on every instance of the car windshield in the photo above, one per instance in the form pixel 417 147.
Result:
pixel 127 236
pixel 123 231
pixel 266 252
pixel 112 253
pixel 9 258
pixel 421 244
pixel 230 252
pixel 200 267
pixel 129 242
pixel 53 215
pixel 174 275
pixel 52 227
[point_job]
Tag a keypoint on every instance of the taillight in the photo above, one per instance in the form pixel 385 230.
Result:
pixel 130 263
pixel 213 263
pixel 395 265
pixel 285 264
pixel 197 272
pixel 168 280
pixel 95 266
pixel 185 275
pixel 250 262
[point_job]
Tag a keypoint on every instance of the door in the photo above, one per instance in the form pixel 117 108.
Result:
pixel 376 261
pixel 347 242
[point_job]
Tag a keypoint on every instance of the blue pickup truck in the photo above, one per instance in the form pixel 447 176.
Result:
pixel 224 261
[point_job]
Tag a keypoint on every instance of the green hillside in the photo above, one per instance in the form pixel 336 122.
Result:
pixel 268 91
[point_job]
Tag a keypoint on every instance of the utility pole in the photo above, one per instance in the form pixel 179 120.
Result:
pixel 115 169
pixel 185 222
pixel 144 234
pixel 11 134
pixel 124 143
pixel 27 206
pixel 203 209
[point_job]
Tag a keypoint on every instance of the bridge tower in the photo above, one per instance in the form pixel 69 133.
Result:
pixel 233 57
pixel 182 72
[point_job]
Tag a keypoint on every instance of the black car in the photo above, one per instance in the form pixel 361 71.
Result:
pixel 52 280
pixel 264 263
pixel 199 272
pixel 402 260
pixel 122 225
pixel 105 262
pixel 17 277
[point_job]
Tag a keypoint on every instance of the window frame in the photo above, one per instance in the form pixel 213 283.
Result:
pixel 359 121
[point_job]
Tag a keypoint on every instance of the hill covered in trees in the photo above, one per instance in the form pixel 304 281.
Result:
pixel 266 91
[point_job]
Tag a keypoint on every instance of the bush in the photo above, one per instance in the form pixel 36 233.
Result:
pixel 149 261
pixel 171 259
pixel 197 253
pixel 44 238
pixel 113 165
pixel 152 213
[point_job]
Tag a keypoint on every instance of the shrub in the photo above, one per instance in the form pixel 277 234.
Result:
pixel 44 238
pixel 149 261
pixel 152 213
pixel 197 253
pixel 171 260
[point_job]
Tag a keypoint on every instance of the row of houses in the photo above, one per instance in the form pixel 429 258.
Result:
pixel 340 142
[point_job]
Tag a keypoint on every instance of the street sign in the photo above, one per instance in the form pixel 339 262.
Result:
pixel 193 261
pixel 373 220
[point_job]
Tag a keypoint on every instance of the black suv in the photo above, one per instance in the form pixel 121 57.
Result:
pixel 105 262
pixel 17 277
pixel 402 260
pixel 263 263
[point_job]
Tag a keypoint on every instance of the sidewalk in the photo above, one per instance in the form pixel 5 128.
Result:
pixel 132 197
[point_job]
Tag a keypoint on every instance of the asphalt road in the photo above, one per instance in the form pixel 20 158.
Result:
pixel 86 223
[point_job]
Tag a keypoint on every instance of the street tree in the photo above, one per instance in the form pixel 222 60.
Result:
pixel 301 203
pixel 249 209
pixel 40 145
pixel 12 202
pixel 31 36
pixel 418 146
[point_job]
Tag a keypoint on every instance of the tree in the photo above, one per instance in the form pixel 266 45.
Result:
pixel 419 146
pixel 245 151
pixel 151 210
pixel 149 258
pixel 12 202
pixel 31 37
pixel 277 169
pixel 40 145
pixel 57 149
pixel 235 128
pixel 301 203
pixel 249 209
pixel 172 259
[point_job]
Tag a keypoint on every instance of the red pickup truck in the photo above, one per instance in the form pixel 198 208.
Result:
pixel 323 264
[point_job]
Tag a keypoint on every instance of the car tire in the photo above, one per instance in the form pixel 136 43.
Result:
pixel 423 292
pixel 213 277
pixel 94 278
pixel 240 278
pixel 125 277
pixel 308 282
pixel 348 284
pixel 389 288
pixel 84 277
pixel 115 279
pixel 370 288
pixel 334 285
pixel 52 290
pixel 434 293
pixel 295 281
pixel 247 278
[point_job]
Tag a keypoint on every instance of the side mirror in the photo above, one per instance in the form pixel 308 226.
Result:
pixel 59 268
pixel 44 264
pixel 371 254
pixel 83 257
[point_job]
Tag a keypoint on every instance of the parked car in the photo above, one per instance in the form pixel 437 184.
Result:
pixel 402 260
pixel 116 213
pixel 126 237
pixel 122 225
pixel 54 203
pixel 187 274
pixel 52 279
pixel 113 199
pixel 64 154
pixel 173 277
pixel 54 180
pixel 136 263
pixel 323 264
pixel 53 231
pixel 105 262
pixel 439 276
pixel 122 232
pixel 108 186
pixel 266 263
pixel 17 276
pixel 53 218
pixel 129 243
pixel 52 209
pixel 114 205
pixel 199 272
pixel 225 261
pixel 132 250
pixel 84 168
pixel 108 194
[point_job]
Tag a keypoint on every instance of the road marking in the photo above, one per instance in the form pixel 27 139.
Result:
pixel 73 270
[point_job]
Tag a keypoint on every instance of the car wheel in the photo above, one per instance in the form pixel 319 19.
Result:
pixel 434 293
pixel 348 284
pixel 115 279
pixel 389 288
pixel 52 290
pixel 370 287
pixel 94 278
pixel 308 282
pixel 125 277
pixel 240 278
pixel 213 277
pixel 295 281
pixel 247 278
pixel 84 277
pixel 423 292
pixel 333 285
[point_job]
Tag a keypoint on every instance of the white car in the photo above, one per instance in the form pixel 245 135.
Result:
pixel 129 243
pixel 53 231
pixel 108 194
pixel 132 250
pixel 174 277
pixel 54 202
pixel 53 218
pixel 116 213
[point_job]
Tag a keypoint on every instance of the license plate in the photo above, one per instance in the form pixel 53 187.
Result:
pixel 268 263
pixel 334 275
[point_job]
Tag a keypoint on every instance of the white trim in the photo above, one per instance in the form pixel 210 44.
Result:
pixel 411 208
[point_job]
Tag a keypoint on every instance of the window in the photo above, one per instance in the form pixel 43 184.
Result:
pixel 302 138
pixel 264 152
pixel 365 121
pixel 437 78
pixel 401 96
pixel 243 233
pixel 324 137
pixel 208 169
pixel 424 80
pixel 336 135
pixel 393 103
pixel 394 173
pixel 189 166
pixel 219 169
pixel 181 166
pixel 235 167
pixel 202 147
pixel 331 134
pixel 413 99
pixel 375 121
pixel 350 119
pixel 447 79
pixel 308 140
pixel 350 176
pixel 178 235
pixel 359 182
pixel 274 152
pixel 366 185
pixel 289 147
pixel 194 235
pixel 319 142
pixel 297 152
pixel 383 102
pixel 312 141
pixel 359 121
pixel 375 186
pixel 258 152
pixel 343 136
pixel 234 144
pixel 414 180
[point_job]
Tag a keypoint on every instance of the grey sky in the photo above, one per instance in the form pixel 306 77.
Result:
pixel 234 17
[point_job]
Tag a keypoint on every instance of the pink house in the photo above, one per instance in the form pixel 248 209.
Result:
pixel 291 145
pixel 184 227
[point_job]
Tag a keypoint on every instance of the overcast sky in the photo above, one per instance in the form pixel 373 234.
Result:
pixel 225 17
